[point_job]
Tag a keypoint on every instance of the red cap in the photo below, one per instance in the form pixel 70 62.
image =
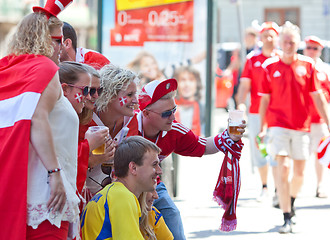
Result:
pixel 270 26
pixel 154 90
pixel 53 7
pixel 314 39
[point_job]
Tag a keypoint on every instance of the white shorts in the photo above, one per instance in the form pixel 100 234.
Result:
pixel 254 129
pixel 288 142
pixel 318 131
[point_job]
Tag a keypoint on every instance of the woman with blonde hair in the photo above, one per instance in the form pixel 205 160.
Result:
pixel 114 109
pixel 42 202
pixel 152 224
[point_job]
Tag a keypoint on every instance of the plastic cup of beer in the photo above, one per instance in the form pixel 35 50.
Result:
pixel 235 119
pixel 101 149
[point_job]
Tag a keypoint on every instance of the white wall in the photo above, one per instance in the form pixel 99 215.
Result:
pixel 312 20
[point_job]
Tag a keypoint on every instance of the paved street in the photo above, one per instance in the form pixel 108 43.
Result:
pixel 202 216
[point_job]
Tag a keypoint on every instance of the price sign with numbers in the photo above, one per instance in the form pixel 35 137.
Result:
pixel 171 22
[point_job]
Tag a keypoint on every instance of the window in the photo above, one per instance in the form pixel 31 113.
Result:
pixel 280 15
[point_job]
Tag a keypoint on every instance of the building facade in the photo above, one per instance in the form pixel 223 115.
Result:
pixel 312 16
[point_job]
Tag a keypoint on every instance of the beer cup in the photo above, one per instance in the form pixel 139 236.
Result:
pixel 101 149
pixel 235 119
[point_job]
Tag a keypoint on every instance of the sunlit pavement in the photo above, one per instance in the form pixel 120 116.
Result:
pixel 256 220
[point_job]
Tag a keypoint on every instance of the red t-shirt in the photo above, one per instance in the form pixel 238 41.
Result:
pixel 289 87
pixel 253 72
pixel 322 71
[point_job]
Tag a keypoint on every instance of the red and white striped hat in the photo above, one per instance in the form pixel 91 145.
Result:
pixel 154 90
pixel 269 26
pixel 323 151
pixel 314 39
pixel 53 7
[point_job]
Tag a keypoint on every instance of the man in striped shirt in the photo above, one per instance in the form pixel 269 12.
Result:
pixel 156 122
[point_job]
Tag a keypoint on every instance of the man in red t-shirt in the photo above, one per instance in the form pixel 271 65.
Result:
pixel 286 87
pixel 319 129
pixel 156 122
pixel 249 83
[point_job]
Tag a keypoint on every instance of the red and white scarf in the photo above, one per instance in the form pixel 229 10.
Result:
pixel 229 181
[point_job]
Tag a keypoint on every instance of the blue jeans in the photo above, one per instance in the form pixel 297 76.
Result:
pixel 170 212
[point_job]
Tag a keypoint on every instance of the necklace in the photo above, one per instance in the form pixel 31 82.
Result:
pixel 114 127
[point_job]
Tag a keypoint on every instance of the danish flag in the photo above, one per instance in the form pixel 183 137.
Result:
pixel 23 79
pixel 122 101
pixel 78 97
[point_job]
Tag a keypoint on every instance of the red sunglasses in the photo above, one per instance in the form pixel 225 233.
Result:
pixel 58 39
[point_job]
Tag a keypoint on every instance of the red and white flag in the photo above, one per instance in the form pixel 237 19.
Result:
pixel 22 80
pixel 122 101
pixel 323 152
pixel 78 97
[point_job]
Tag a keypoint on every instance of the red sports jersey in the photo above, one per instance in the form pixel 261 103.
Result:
pixel 92 58
pixel 290 87
pixel 322 71
pixel 253 72
pixel 179 139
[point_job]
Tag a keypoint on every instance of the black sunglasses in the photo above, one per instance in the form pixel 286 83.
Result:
pixel 92 91
pixel 85 90
pixel 165 114
pixel 312 48
pixel 106 169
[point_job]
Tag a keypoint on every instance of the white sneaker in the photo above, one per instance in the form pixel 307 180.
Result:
pixel 263 196
pixel 276 202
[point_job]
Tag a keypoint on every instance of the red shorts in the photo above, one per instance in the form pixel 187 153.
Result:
pixel 48 231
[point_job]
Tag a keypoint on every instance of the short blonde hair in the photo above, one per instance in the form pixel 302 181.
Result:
pixel 32 36
pixel 113 79
pixel 290 29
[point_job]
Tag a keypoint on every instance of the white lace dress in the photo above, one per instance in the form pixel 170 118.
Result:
pixel 64 123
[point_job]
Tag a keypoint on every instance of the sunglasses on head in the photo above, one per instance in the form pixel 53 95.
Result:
pixel 92 91
pixel 85 90
pixel 312 48
pixel 107 170
pixel 165 114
